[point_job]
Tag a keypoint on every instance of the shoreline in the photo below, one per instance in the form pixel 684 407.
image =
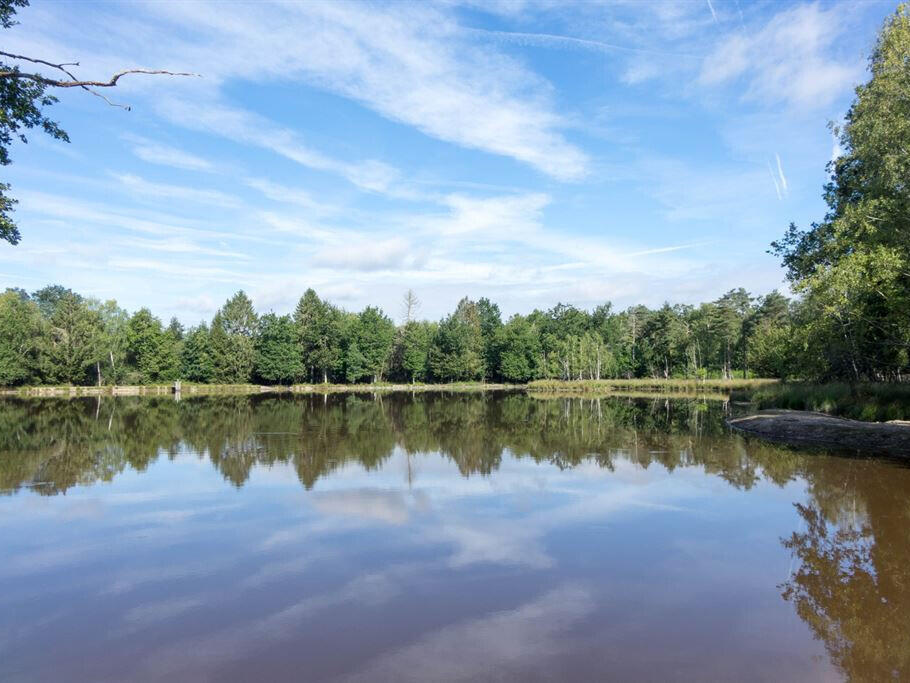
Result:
pixel 241 389
pixel 571 388
pixel 801 428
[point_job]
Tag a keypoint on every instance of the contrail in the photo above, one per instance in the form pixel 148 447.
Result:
pixel 554 41
pixel 783 178
pixel 713 13
pixel 774 180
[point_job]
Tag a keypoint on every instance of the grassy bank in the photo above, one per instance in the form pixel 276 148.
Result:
pixel 871 402
pixel 648 386
pixel 645 387
pixel 210 389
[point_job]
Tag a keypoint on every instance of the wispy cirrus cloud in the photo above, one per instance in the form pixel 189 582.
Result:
pixel 412 64
pixel 165 155
pixel 787 60
pixel 249 128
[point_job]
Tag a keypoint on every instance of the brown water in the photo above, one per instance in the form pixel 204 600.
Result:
pixel 439 537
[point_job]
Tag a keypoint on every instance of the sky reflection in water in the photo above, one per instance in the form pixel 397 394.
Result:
pixel 439 537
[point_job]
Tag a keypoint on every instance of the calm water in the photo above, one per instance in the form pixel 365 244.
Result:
pixel 439 537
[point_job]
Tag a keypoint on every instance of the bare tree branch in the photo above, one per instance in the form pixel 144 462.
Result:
pixel 38 61
pixel 74 82
pixel 38 78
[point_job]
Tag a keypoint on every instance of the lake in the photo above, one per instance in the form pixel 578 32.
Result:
pixel 455 537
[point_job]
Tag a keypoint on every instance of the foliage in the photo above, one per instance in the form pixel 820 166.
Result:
pixel 853 268
pixel 412 350
pixel 75 341
pixel 277 351
pixel 196 362
pixel 232 340
pixel 319 336
pixel 371 335
pixel 457 353
pixel 877 402
pixel 21 107
pixel 21 334
pixel 518 350
pixel 82 341
pixel 150 350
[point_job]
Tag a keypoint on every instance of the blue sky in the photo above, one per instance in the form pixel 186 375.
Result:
pixel 531 152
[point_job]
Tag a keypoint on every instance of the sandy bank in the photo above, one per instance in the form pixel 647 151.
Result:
pixel 801 428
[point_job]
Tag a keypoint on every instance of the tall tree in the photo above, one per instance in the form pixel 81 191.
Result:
pixel 410 304
pixel 149 348
pixel 233 340
pixel 518 350
pixel 76 341
pixel 21 337
pixel 457 353
pixel 196 362
pixel 413 349
pixel 319 335
pixel 372 336
pixel 48 298
pixel 277 355
pixel 853 268
pixel 111 365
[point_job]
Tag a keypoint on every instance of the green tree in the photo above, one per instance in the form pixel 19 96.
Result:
pixel 76 342
pixel 149 349
pixel 277 352
pixel 233 340
pixel 518 350
pixel 22 332
pixel 457 353
pixel 319 333
pixel 852 267
pixel 370 345
pixel 49 297
pixel 490 322
pixel 112 363
pixel 730 313
pixel 196 355
pixel 413 349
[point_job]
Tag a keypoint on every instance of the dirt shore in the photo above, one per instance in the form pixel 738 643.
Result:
pixel 801 428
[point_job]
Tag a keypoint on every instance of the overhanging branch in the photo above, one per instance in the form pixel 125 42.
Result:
pixel 74 82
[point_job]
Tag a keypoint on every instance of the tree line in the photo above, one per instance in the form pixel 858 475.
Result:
pixel 57 336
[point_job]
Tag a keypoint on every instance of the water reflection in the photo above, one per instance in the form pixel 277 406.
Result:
pixel 559 552
pixel 53 445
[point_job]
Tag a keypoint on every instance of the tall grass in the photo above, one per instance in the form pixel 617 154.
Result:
pixel 669 386
pixel 872 402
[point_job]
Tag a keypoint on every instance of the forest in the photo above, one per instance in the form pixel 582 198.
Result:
pixel 57 336
pixel 849 319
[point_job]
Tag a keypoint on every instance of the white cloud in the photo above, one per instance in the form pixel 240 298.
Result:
pixel 386 506
pixel 515 644
pixel 291 195
pixel 787 60
pixel 245 127
pixel 410 63
pixel 490 217
pixel 156 153
pixel 164 190
pixel 368 253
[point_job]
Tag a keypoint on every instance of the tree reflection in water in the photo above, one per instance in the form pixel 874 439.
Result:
pixel 850 583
